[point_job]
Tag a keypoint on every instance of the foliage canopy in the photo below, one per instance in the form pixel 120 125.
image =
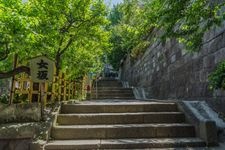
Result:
pixel 77 33
pixel 142 22
pixel 72 32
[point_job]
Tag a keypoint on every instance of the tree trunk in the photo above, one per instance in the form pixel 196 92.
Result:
pixel 12 91
pixel 57 64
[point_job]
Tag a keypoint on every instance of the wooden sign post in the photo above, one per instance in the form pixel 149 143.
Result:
pixel 42 71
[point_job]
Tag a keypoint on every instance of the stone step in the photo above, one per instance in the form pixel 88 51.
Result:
pixel 108 84
pixel 118 108
pixel 113 88
pixel 120 118
pixel 108 79
pixel 124 144
pixel 113 94
pixel 111 91
pixel 112 97
pixel 122 131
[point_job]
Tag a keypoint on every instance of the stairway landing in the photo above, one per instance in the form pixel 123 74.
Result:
pixel 108 88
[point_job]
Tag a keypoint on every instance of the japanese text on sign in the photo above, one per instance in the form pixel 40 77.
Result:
pixel 42 69
pixel 42 73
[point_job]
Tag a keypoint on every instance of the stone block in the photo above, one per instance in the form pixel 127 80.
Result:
pixel 19 131
pixel 69 133
pixel 129 132
pixel 19 113
pixel 204 50
pixel 204 74
pixel 208 132
pixel 173 58
pixel 220 55
pixel 209 61
pixel 197 64
pixel 175 131
pixel 219 93
pixel 216 44
pixel 35 146
pixel 15 144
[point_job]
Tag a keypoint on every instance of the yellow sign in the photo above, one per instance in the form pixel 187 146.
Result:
pixel 42 69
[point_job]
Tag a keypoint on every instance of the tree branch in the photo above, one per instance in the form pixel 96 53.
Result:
pixel 71 38
pixel 14 72
pixel 4 57
pixel 66 28
pixel 60 44
pixel 67 46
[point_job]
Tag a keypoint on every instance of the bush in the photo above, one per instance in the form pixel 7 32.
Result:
pixel 20 98
pixel 4 98
pixel 217 78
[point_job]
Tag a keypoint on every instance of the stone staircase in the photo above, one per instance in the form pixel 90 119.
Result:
pixel 121 124
pixel 108 88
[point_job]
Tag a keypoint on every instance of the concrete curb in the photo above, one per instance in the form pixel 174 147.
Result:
pixel 205 129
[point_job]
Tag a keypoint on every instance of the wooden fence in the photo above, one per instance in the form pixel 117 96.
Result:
pixel 60 89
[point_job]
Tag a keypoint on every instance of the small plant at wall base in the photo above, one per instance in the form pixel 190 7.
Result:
pixel 217 78
pixel 4 98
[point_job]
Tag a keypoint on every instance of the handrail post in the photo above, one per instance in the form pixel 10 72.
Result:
pixel 12 91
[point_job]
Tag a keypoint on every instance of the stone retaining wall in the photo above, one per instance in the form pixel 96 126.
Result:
pixel 168 71
pixel 15 144
pixel 19 113
pixel 19 136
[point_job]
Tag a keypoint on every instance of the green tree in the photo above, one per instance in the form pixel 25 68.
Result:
pixel 188 20
pixel 59 29
pixel 144 22
pixel 16 35
pixel 125 35
pixel 67 23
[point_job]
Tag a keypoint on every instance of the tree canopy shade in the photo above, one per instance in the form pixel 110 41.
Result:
pixel 77 33
pixel 138 23
pixel 72 32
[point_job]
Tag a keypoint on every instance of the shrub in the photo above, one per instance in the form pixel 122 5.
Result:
pixel 4 98
pixel 217 77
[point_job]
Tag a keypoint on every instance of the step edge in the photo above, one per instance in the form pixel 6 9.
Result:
pixel 116 126
pixel 118 114
pixel 98 141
